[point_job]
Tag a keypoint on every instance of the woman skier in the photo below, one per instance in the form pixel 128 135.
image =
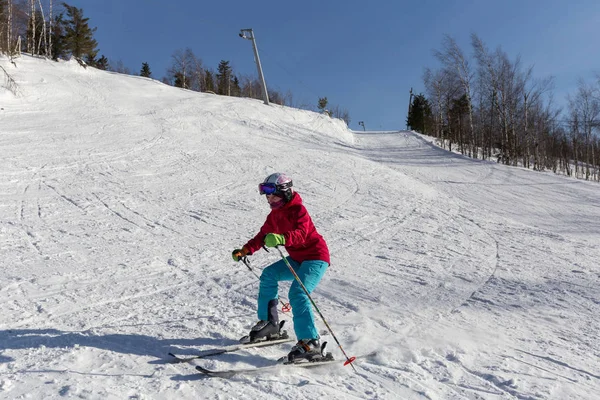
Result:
pixel 288 224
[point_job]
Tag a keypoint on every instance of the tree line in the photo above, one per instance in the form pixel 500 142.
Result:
pixel 491 107
pixel 42 28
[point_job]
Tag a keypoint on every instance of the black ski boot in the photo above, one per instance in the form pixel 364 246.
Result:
pixel 308 349
pixel 271 329
pixel 265 330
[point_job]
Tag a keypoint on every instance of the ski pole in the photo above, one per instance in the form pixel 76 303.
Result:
pixel 349 360
pixel 285 307
pixel 247 264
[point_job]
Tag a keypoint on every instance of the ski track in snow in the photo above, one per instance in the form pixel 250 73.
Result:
pixel 121 199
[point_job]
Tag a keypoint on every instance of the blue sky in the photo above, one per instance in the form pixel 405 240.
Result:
pixel 363 56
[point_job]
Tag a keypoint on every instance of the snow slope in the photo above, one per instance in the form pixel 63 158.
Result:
pixel 121 199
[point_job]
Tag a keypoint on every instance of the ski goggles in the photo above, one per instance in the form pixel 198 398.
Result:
pixel 267 188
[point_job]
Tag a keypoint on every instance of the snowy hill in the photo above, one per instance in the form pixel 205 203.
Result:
pixel 121 199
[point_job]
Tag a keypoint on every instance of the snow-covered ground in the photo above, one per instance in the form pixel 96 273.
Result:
pixel 121 199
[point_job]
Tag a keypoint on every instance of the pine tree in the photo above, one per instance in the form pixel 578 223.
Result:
pixel 224 78
pixel 236 90
pixel 79 37
pixel 90 58
pixel 322 104
pixel 102 63
pixel 59 45
pixel 210 81
pixel 420 117
pixel 145 71
pixel 180 80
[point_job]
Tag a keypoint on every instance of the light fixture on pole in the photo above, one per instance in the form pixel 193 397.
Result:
pixel 248 34
pixel 362 123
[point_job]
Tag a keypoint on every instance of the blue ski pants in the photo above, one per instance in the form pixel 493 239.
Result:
pixel 310 274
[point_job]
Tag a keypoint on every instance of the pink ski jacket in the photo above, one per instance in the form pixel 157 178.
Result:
pixel 302 241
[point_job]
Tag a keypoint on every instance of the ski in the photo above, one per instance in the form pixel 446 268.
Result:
pixel 229 349
pixel 277 366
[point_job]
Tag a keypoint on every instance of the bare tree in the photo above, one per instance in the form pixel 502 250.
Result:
pixel 49 47
pixel 182 66
pixel 119 67
pixel 499 107
pixel 501 76
pixel 454 60
pixel 434 86
pixel 197 75
pixel 250 87
pixel 337 112
pixel 31 24
pixel 275 96
pixel 43 36
pixel 9 26
pixel 532 97
pixel 288 99
pixel 585 110
pixel 445 88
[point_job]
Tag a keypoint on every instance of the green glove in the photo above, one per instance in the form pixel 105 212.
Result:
pixel 238 254
pixel 274 240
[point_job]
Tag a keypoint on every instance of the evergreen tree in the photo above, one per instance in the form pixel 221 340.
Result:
pixel 179 80
pixel 210 81
pixel 322 104
pixel 102 63
pixel 79 37
pixel 420 117
pixel 145 71
pixel 236 90
pixel 224 78
pixel 59 46
pixel 90 58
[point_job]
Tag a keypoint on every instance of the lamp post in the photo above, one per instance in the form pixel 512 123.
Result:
pixel 248 34
pixel 362 123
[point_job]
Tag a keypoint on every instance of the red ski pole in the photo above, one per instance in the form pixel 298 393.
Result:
pixel 349 360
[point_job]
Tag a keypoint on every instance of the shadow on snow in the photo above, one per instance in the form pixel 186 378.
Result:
pixel 140 345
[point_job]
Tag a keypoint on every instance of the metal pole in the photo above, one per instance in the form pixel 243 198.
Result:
pixel 257 59
pixel 409 107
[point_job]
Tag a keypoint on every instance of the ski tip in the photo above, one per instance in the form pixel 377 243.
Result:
pixel 174 357
pixel 216 374
pixel 203 370
pixel 244 339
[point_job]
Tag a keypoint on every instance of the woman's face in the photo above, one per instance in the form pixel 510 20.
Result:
pixel 272 199
pixel 275 202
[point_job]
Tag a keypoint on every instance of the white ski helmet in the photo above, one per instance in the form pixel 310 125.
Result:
pixel 278 184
